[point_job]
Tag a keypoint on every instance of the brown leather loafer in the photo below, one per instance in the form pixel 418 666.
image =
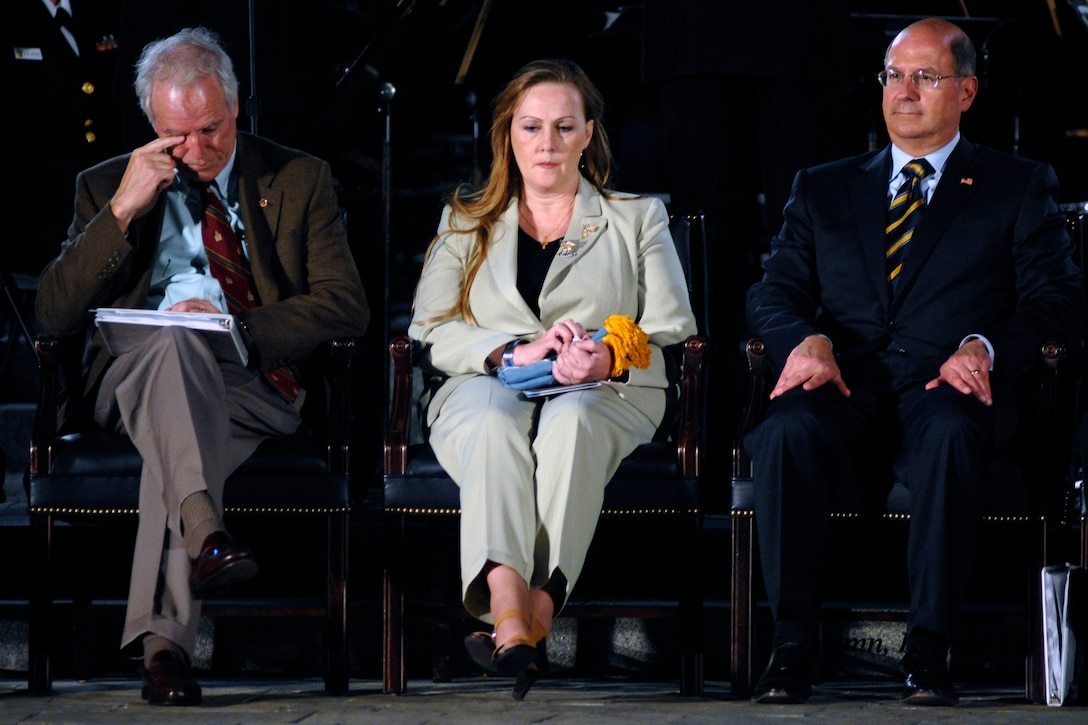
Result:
pixel 167 680
pixel 220 564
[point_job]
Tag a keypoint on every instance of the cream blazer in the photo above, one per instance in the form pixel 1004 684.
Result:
pixel 617 257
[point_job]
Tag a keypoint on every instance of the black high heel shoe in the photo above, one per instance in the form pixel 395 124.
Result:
pixel 528 677
pixel 516 654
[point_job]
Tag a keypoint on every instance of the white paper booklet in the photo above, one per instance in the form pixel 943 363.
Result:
pixel 124 329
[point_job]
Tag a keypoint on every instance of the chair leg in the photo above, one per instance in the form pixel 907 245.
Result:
pixel 441 624
pixel 82 637
pixel 393 665
pixel 1084 542
pixel 741 605
pixel 336 606
pixel 441 639
pixel 39 645
pixel 80 628
pixel 691 617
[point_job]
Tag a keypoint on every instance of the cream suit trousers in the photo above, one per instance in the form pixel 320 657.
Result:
pixel 194 421
pixel 532 476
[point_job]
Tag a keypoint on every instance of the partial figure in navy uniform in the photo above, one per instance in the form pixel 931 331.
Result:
pixel 61 116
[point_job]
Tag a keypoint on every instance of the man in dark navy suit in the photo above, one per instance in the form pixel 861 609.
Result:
pixel 906 291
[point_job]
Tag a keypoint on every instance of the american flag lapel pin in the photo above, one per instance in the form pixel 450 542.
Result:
pixel 967 180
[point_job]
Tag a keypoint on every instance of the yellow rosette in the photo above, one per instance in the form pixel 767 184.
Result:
pixel 629 344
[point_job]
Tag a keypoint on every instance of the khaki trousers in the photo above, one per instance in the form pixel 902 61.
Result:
pixel 532 476
pixel 194 420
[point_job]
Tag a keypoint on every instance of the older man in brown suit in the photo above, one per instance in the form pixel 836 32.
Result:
pixel 146 234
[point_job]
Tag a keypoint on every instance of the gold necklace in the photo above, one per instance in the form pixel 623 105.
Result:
pixel 563 222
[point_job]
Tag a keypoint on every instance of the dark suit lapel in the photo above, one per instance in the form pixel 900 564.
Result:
pixel 953 192
pixel 869 199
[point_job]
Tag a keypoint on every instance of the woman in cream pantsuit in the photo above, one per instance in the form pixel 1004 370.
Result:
pixel 527 268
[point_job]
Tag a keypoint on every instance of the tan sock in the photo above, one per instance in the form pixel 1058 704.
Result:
pixel 199 518
pixel 153 644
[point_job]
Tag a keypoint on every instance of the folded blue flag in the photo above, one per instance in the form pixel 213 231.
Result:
pixel 537 374
pixel 527 377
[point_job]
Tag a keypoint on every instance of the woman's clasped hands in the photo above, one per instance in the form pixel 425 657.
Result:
pixel 578 357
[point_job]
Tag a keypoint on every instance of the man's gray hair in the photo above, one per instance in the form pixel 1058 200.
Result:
pixel 184 59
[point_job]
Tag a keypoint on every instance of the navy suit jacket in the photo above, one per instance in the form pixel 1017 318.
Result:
pixel 990 256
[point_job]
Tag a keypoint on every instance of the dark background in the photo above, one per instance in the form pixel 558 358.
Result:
pixel 712 103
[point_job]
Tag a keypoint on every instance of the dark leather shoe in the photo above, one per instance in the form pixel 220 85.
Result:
pixel 788 677
pixel 926 678
pixel 220 564
pixel 167 680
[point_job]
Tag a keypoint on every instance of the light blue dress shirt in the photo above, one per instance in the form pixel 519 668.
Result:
pixel 181 269
pixel 937 160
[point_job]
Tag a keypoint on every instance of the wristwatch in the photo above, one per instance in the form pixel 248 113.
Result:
pixel 508 353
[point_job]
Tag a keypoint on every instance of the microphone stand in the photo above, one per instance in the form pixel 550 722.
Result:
pixel 253 104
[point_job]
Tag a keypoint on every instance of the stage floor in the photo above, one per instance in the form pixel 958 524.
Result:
pixel 478 701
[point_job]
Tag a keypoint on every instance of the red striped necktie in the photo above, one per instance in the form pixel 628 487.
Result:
pixel 228 264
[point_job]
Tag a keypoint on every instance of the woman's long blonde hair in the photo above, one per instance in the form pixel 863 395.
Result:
pixel 480 209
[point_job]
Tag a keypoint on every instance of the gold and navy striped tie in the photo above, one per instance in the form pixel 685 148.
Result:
pixel 904 213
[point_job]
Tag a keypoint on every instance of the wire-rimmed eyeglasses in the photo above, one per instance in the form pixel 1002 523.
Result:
pixel 920 78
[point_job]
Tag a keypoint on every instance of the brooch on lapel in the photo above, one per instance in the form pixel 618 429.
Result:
pixel 568 248
pixel 967 180
pixel 588 229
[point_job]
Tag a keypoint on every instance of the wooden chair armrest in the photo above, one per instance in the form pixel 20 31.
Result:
pixel 689 435
pixel 760 381
pixel 341 353
pixel 398 426
pixel 45 417
pixel 1054 432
